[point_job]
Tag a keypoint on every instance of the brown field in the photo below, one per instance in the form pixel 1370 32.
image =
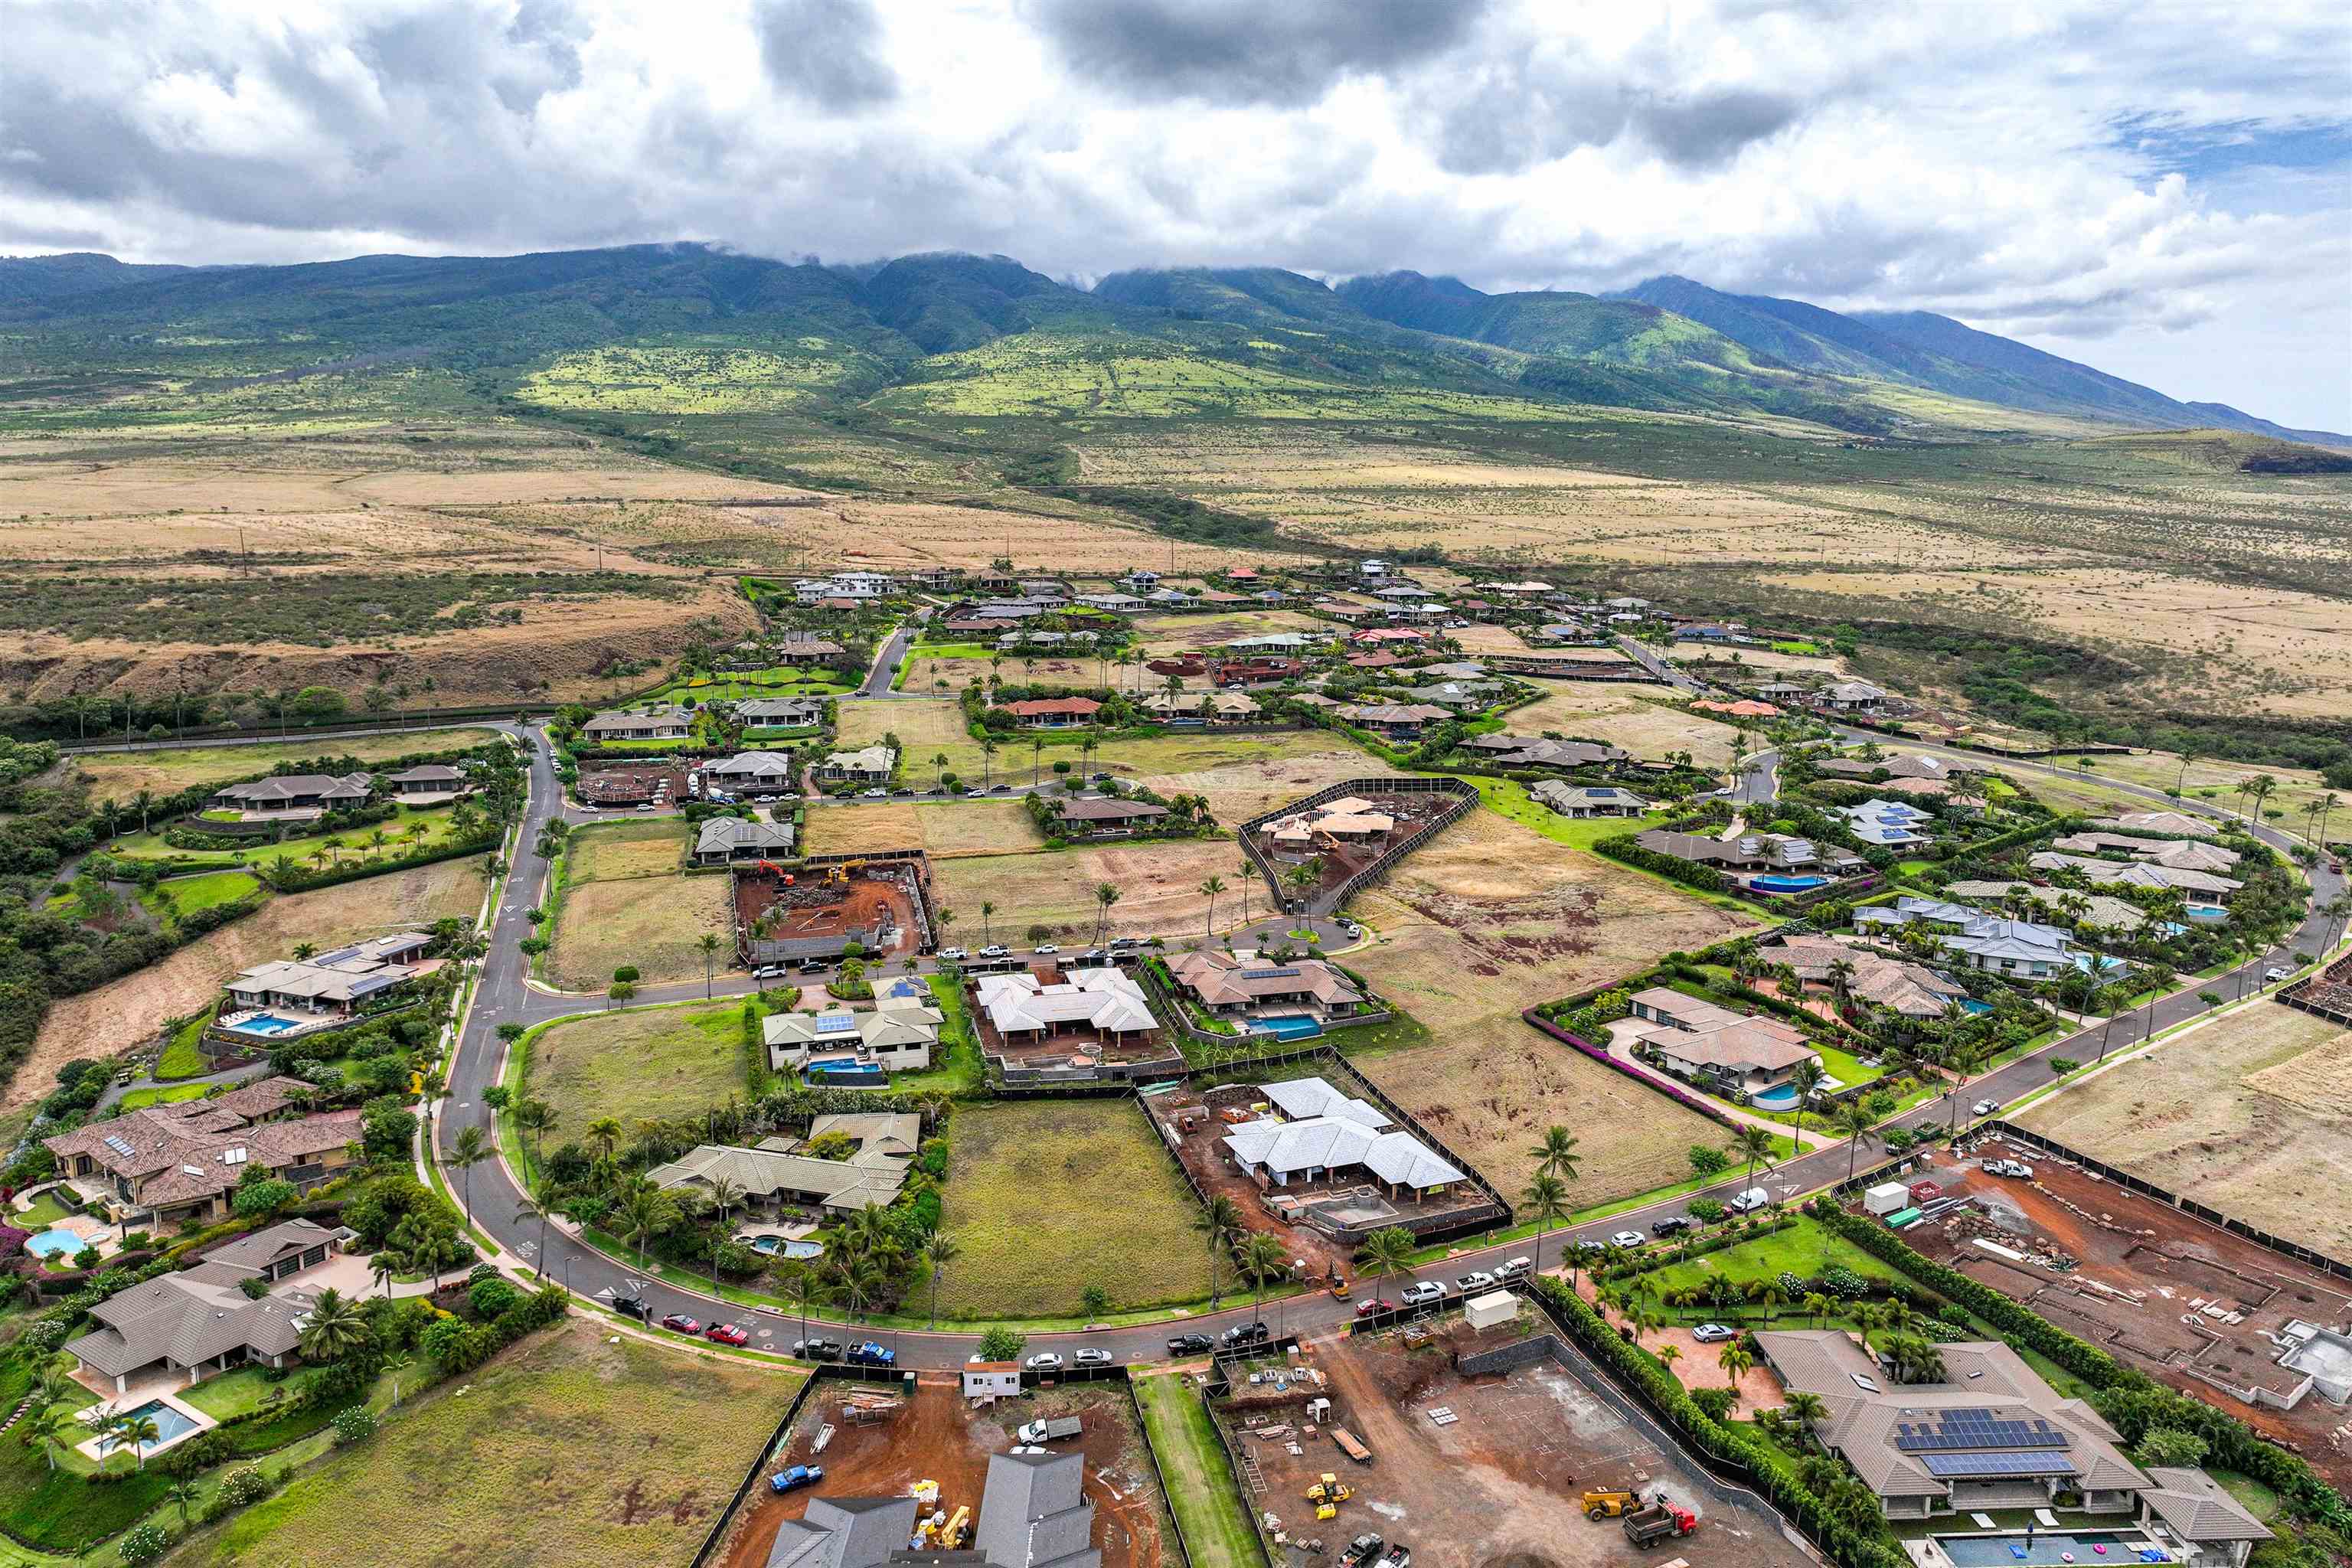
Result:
pixel 1477 638
pixel 128 1012
pixel 2249 1113
pixel 940 828
pixel 1487 921
pixel 1646 727
pixel 654 922
pixel 1158 888
pixel 1761 658
pixel 122 775
pixel 1185 634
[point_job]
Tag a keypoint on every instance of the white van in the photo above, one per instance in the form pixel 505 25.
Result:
pixel 1748 1202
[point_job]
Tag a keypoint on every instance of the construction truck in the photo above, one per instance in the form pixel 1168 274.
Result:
pixel 1662 1520
pixel 1328 1493
pixel 951 1532
pixel 1608 1502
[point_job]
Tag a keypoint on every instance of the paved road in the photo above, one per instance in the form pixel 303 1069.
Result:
pixel 1759 782
pixel 504 997
pixel 885 665
pixel 1657 664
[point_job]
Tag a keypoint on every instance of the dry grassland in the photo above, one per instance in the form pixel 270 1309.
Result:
pixel 1648 729
pixel 941 829
pixel 653 922
pixel 122 775
pixel 1158 888
pixel 865 828
pixel 1760 658
pixel 1479 637
pixel 128 1012
pixel 615 852
pixel 2249 1113
pixel 2298 789
pixel 1187 634
pixel 1487 921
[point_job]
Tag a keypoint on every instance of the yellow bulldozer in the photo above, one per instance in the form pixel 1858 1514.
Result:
pixel 1609 1503
pixel 1327 1494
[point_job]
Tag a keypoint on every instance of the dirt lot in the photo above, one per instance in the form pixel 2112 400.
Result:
pixel 938 1439
pixel 2251 1114
pixel 2134 1275
pixel 816 909
pixel 629 784
pixel 1159 884
pixel 939 829
pixel 128 1012
pixel 1496 1488
pixel 122 775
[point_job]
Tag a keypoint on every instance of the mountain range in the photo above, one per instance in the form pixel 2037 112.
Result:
pixel 1666 343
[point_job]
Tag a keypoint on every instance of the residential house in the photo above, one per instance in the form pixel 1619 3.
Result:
pixel 1227 986
pixel 1168 598
pixel 773 1176
pixel 1428 615
pixel 1344 1141
pixel 1043 641
pixel 1711 1044
pixel 1990 1434
pixel 296 792
pixel 2198 887
pixel 165 1163
pixel 666 721
pixel 1521 751
pixel 1912 990
pixel 2180 854
pixel 186 1326
pixel 1105 818
pixel 750 773
pixel 1143 579
pixel 1272 642
pixel 1770 852
pixel 429 783
pixel 937 579
pixel 2024 950
pixel 328 985
pixel 1395 720
pixel 1626 604
pixel 2095 908
pixel 869 765
pixel 1053 712
pixel 726 840
pixel 1783 692
pixel 1349 819
pixel 1100 1004
pixel 1852 697
pixel 805 648
pixel 1889 824
pixel 1459 696
pixel 2177 822
pixel 780 712
pixel 853 585
pixel 1118 603
pixel 1221 708
pixel 1403 592
pixel 900 1034
pixel 1588 800
pixel 1897 766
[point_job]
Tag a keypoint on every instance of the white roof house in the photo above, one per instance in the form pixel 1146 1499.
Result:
pixel 1324 1131
pixel 1106 1000
pixel 1300 1098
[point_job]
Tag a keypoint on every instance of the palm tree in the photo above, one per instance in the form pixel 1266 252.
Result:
pixel 1805 1408
pixel 1735 1360
pixel 939 1252
pixel 1547 1197
pixel 384 1265
pixel 1755 1145
pixel 1385 1252
pixel 1221 1221
pixel 2188 755
pixel 2262 786
pixel 802 1288
pixel 1817 1307
pixel 533 1206
pixel 987 763
pixel 1105 895
pixel 45 1426
pixel 1245 871
pixel 1841 971
pixel 987 910
pixel 469 1149
pixel 2328 805
pixel 646 1212
pixel 535 1117
pixel 433 1254
pixel 1667 1355
pixel 1853 1121
pixel 335 1328
pixel 1556 1156
pixel 144 802
pixel 1804 1078
pixel 606 1131
pixel 1211 888
pixel 710 946
pixel 135 1432
pixel 1262 1257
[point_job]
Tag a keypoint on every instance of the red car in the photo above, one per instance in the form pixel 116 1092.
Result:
pixel 729 1334
pixel 682 1323
pixel 1370 1304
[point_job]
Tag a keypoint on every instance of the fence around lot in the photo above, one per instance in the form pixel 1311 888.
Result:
pixel 1466 797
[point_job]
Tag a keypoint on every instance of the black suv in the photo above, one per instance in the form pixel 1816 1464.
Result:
pixel 1673 1225
pixel 1190 1344
pixel 635 1307
pixel 1246 1334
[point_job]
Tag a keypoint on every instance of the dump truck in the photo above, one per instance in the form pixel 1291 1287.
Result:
pixel 1662 1520
pixel 1346 1441
pixel 1607 1502
pixel 1052 1430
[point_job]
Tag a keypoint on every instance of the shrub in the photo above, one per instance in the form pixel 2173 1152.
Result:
pixel 144 1544
pixel 244 1486
pixel 1003 1344
pixel 492 1297
pixel 354 1425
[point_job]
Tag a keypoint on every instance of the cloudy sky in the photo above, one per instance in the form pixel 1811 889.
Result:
pixel 2162 189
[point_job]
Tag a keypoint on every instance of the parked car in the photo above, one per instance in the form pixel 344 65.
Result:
pixel 1714 1334
pixel 1089 1356
pixel 2274 974
pixel 1091 955
pixel 995 950
pixel 635 1307
pixel 955 954
pixel 1588 1247
pixel 812 966
pixel 1045 1361
pixel 1372 1304
pixel 682 1323
pixel 870 1354
pixel 1245 1335
pixel 1984 1108
pixel 771 971
pixel 799 1476
pixel 1190 1344
pixel 1046 947
pixel 1476 1280
pixel 1516 1269
pixel 1673 1225
pixel 1629 1238
pixel 874 794
pixel 2016 1168
pixel 1425 1293
pixel 584 805
pixel 816 1350
pixel 728 1334
pixel 1361 1551
pixel 1748 1202
pixel 1397 1556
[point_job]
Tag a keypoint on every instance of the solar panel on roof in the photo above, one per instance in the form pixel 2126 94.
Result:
pixel 1972 1428
pixel 1269 973
pixel 117 1144
pixel 837 1024
pixel 2006 1462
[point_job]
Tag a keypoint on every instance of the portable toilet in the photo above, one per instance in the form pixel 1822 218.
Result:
pixel 1494 1308
pixel 1886 1197
pixel 1318 1411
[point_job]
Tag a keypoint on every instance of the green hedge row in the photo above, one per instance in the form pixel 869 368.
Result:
pixel 303 882
pixel 1623 849
pixel 2132 1400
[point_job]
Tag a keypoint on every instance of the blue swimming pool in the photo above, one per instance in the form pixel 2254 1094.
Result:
pixel 1971 1004
pixel 2208 914
pixel 54 1244
pixel 265 1024
pixel 1291 1026
pixel 1779 1097
pixel 169 1423
pixel 2011 1551
pixel 1786 884
pixel 853 1075
pixel 776 1245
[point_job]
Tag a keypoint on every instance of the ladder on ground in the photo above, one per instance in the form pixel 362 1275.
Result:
pixel 1250 1475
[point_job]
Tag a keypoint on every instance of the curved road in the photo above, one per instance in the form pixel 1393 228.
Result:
pixel 504 995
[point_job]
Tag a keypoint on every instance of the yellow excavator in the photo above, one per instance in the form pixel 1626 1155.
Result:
pixel 951 1534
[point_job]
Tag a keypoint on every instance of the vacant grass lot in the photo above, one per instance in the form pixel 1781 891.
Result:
pixel 1048 1199
pixel 1805 1249
pixel 1190 632
pixel 614 851
pixel 574 1448
pixel 938 828
pixel 640 1065
pixel 1159 884
pixel 409 830
pixel 655 923
pixel 1166 763
pixel 1200 1487
pixel 187 895
pixel 122 775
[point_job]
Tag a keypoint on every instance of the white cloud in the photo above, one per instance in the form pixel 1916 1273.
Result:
pixel 2100 179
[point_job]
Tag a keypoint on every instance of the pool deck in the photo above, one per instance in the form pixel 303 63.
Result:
pixel 1621 1036
pixel 165 1387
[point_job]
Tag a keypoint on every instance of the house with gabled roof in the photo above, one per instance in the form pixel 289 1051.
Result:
pixel 665 722
pixel 296 792
pixel 164 1163
pixel 725 840
pixel 1588 800
pixel 1341 1140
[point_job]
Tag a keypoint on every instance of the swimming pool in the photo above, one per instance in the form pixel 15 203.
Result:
pixel 54 1244
pixel 1786 884
pixel 2011 1552
pixel 265 1024
pixel 853 1074
pixel 1290 1026
pixel 169 1423
pixel 773 1246
pixel 1779 1097
pixel 1971 1004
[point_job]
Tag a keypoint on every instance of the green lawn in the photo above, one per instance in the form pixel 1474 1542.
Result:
pixel 1199 1482
pixel 1048 1199
pixel 645 1064
pixel 349 844
pixel 183 1055
pixel 46 1212
pixel 1509 797
pixel 956 1067
pixel 780 682
pixel 181 896
pixel 228 1394
pixel 1804 1248
pixel 170 1094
